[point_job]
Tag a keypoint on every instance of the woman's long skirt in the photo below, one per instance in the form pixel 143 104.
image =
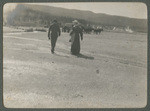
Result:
pixel 75 44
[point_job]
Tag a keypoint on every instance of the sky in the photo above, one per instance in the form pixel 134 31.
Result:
pixel 127 9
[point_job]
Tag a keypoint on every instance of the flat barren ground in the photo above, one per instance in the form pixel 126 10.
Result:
pixel 111 71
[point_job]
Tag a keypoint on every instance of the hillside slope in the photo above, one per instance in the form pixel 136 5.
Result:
pixel 43 14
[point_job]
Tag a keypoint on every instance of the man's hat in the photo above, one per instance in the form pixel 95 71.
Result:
pixel 54 20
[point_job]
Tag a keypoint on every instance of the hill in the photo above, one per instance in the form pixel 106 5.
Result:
pixel 37 15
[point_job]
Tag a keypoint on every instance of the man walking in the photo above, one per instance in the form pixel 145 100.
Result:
pixel 53 33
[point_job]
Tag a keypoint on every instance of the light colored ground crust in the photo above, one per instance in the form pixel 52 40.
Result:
pixel 111 73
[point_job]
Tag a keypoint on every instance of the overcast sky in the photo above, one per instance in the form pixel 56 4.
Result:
pixel 128 9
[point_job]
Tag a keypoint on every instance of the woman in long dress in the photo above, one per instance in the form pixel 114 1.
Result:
pixel 75 34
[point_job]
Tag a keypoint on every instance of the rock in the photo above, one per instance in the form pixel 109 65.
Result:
pixel 97 71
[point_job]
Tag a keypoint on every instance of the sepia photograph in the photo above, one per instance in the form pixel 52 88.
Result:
pixel 75 55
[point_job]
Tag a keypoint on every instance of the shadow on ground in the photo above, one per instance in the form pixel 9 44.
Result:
pixel 85 56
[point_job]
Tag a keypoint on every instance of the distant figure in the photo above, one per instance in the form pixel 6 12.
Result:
pixel 75 34
pixel 55 32
pixel 98 30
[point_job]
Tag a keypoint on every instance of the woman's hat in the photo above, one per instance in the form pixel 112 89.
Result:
pixel 75 21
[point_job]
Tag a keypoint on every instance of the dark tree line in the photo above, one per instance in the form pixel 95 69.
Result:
pixel 30 17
